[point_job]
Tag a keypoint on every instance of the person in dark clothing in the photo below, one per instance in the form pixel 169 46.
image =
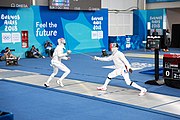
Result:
pixel 8 54
pixel 155 33
pixel 36 52
pixel 167 40
pixel 49 48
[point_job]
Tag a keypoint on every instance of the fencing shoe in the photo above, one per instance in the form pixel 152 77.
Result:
pixel 143 92
pixel 59 82
pixel 46 84
pixel 103 88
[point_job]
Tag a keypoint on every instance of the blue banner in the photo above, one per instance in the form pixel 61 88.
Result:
pixel 128 42
pixel 155 18
pixel 140 23
pixel 146 21
pixel 84 31
pixel 155 1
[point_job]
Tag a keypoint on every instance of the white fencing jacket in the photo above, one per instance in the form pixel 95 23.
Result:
pixel 120 61
pixel 59 54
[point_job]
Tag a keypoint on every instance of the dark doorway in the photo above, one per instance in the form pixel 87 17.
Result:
pixel 175 36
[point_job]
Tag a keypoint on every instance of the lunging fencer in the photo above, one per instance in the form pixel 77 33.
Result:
pixel 122 67
pixel 56 63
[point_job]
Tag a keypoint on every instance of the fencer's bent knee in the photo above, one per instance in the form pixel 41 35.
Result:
pixel 110 76
pixel 128 82
pixel 131 83
pixel 68 71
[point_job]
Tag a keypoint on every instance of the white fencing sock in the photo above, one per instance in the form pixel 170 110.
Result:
pixel 51 77
pixel 136 86
pixel 107 82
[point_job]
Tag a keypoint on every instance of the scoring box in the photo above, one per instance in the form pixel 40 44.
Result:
pixel 171 71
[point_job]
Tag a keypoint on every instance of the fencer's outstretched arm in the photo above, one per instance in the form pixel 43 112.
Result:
pixel 109 58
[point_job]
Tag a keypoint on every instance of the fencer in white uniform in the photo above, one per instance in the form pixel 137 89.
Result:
pixel 56 63
pixel 122 67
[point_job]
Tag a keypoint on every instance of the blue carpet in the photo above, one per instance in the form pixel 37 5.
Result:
pixel 29 102
pixel 85 69
pixel 152 72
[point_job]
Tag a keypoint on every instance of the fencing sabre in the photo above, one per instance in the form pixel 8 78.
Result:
pixel 83 54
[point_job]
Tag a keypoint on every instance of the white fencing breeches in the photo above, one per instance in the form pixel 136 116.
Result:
pixel 120 72
pixel 56 66
pixel 125 75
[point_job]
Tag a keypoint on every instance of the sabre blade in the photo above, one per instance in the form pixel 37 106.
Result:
pixel 84 54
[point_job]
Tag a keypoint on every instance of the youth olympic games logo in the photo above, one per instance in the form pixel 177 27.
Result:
pixel 6 37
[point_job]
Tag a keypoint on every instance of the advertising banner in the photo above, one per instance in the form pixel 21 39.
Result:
pixel 84 31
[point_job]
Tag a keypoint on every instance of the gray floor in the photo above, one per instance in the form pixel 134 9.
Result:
pixel 152 101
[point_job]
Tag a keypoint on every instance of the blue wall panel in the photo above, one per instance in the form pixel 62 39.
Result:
pixel 152 18
pixel 140 23
pixel 84 31
pixel 128 42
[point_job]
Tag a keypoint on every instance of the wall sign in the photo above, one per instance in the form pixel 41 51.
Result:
pixel 15 3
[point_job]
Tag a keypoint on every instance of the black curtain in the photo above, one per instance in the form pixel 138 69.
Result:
pixel 175 43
